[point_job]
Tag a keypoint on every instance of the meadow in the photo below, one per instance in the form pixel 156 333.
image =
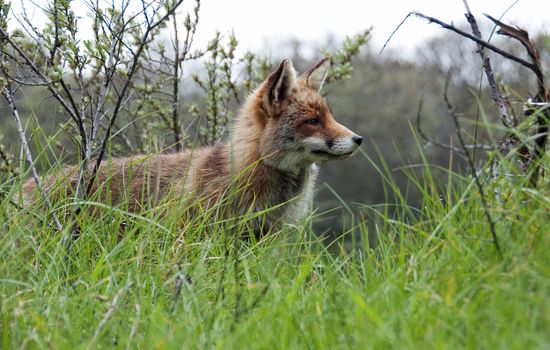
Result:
pixel 433 278
pixel 424 250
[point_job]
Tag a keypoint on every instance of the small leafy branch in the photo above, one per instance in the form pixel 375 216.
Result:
pixel 157 88
pixel 342 58
pixel 90 79
pixel 219 88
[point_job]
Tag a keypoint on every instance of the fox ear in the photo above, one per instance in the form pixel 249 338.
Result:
pixel 280 82
pixel 315 76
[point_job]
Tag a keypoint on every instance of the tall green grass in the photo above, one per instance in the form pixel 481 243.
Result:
pixel 432 280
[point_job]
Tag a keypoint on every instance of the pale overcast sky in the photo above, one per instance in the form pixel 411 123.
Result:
pixel 256 23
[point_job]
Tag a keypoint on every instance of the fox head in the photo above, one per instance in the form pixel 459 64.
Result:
pixel 297 126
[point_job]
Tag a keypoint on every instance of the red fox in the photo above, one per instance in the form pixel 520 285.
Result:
pixel 282 131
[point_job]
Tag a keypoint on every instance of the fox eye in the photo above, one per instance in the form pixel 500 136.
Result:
pixel 314 121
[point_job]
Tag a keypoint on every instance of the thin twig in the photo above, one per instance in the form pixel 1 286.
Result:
pixel 73 234
pixel 107 77
pixel 523 37
pixel 56 31
pixel 495 90
pixel 108 314
pixel 394 31
pixel 543 94
pixel 479 186
pixel 8 94
pixel 175 85
pixel 125 87
pixel 543 117
pixel 473 38
pixel 72 113
pixel 177 292
pixel 426 138
pixel 26 82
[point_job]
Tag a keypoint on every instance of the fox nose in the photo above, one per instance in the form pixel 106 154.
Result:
pixel 357 139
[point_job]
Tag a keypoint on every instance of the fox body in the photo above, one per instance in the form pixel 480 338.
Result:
pixel 284 128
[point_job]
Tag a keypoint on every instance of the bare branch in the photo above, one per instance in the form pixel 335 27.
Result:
pixel 496 95
pixel 175 84
pixel 179 284
pixel 8 94
pixel 56 31
pixel 429 140
pixel 479 186
pixel 473 38
pixel 129 76
pixel 22 81
pixel 72 113
pixel 523 37
pixel 108 314
pixel 108 74
pixel 543 95
pixel 395 31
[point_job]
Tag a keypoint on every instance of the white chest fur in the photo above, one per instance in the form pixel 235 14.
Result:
pixel 299 206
